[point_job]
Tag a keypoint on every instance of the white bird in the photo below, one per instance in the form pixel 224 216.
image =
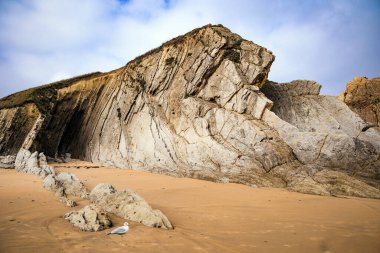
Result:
pixel 120 230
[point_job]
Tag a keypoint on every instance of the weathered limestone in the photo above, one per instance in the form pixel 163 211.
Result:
pixel 65 184
pixel 33 163
pixel 362 95
pixel 72 184
pixel 7 162
pixel 200 106
pixel 90 218
pixel 52 184
pixel 128 205
pixel 322 130
pixel 62 184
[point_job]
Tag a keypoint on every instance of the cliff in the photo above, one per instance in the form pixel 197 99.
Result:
pixel 200 106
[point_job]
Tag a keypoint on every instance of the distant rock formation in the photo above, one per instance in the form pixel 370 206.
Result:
pixel 200 106
pixel 362 95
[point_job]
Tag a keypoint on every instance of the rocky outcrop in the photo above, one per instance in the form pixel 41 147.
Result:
pixel 128 205
pixel 314 179
pixel 90 218
pixel 62 184
pixel 71 184
pixel 362 95
pixel 200 106
pixel 7 162
pixel 65 184
pixel 323 131
pixel 33 163
pixel 51 184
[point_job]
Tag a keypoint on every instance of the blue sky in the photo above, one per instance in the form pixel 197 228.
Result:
pixel 329 41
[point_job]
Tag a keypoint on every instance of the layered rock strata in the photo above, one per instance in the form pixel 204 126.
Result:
pixel 322 131
pixel 200 106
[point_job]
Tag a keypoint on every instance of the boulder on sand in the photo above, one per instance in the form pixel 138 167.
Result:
pixel 128 205
pixel 33 163
pixel 90 218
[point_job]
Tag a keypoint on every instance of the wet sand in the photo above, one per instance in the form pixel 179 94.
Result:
pixel 208 217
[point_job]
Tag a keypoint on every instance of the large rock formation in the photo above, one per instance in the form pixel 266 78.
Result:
pixel 362 95
pixel 194 107
pixel 323 131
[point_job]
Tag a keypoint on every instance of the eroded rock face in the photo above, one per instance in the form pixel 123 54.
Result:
pixel 169 107
pixel 197 107
pixel 128 205
pixel 18 120
pixel 90 218
pixel 174 111
pixel 323 131
pixel 362 95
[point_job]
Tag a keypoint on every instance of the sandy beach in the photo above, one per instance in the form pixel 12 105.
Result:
pixel 208 217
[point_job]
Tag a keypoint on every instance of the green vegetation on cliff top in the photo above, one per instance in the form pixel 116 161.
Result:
pixel 42 96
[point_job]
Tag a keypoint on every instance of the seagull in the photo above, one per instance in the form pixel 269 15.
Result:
pixel 120 230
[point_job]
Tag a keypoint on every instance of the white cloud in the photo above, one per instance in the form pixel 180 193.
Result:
pixel 42 41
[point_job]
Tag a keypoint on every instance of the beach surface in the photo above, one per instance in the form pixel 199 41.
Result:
pixel 208 217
